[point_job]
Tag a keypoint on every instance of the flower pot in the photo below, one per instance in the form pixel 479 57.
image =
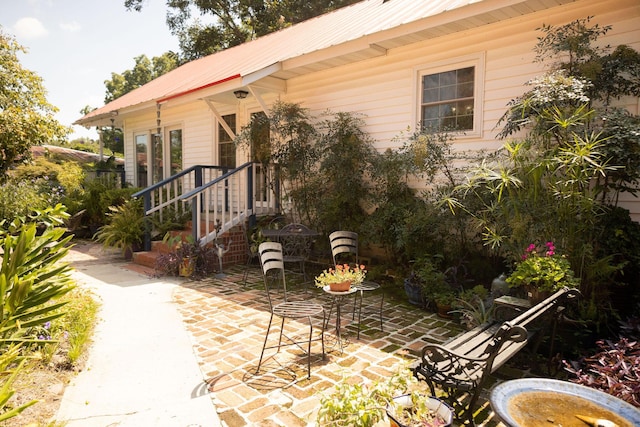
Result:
pixel 535 295
pixel 414 293
pixel 440 413
pixel 186 267
pixel 444 310
pixel 340 287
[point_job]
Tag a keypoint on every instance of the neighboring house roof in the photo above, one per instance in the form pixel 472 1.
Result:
pixel 353 33
pixel 71 154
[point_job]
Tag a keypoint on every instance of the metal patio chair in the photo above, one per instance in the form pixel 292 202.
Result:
pixel 271 260
pixel 344 248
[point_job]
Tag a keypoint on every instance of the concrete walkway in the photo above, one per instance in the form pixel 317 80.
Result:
pixel 142 370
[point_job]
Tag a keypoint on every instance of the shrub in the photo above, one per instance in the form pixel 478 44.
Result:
pixel 615 369
pixel 19 198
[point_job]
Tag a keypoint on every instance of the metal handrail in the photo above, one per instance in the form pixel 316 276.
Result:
pixel 219 199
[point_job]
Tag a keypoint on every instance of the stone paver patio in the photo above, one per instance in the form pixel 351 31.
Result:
pixel 228 323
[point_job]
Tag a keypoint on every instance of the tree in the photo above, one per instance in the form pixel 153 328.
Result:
pixel 234 21
pixel 143 72
pixel 26 118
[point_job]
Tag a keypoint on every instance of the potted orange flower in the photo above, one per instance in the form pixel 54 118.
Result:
pixel 341 278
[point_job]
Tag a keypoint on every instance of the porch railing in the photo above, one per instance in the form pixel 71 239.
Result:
pixel 219 198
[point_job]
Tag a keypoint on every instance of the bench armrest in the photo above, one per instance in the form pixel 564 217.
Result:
pixel 448 367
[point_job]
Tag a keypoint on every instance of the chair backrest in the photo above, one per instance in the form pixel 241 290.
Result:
pixel 344 244
pixel 271 261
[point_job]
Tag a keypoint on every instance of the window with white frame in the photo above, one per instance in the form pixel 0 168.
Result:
pixel 448 99
pixel 226 147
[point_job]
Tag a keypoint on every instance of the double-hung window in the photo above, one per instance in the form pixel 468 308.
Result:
pixel 448 97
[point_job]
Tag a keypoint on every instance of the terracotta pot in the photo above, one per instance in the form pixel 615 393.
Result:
pixel 444 310
pixel 340 287
pixel 535 295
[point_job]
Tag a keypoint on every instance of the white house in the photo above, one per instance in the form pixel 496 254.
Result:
pixel 373 57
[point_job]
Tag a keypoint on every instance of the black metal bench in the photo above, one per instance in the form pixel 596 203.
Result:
pixel 464 364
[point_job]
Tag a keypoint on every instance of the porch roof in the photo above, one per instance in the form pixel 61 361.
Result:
pixel 353 33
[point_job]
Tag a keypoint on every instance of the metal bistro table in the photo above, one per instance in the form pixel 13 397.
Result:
pixel 296 240
pixel 337 299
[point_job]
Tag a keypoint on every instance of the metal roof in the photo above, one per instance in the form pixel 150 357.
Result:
pixel 362 30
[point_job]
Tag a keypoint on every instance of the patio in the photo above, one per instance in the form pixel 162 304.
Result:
pixel 228 323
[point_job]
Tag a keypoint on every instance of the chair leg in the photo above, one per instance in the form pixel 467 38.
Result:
pixel 246 271
pixel 281 332
pixel 266 338
pixel 309 348
pixel 359 310
pixel 324 356
pixel 381 304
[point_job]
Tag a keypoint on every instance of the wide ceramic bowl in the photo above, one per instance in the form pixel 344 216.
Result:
pixel 444 411
pixel 532 402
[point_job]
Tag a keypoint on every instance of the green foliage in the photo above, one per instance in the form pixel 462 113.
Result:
pixel 325 166
pixel 77 324
pixel 55 181
pixel 573 46
pixel 473 307
pixel 26 118
pixel 125 226
pixel 543 269
pixel 232 22
pixel 32 277
pixel 363 405
pixel 346 156
pixel 143 72
pixel 533 191
pixel 20 198
pixel 620 129
pixel 577 40
pixel 396 206
pixel 99 196
pixel 10 368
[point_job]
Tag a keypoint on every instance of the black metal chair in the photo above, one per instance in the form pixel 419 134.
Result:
pixel 296 242
pixel 271 260
pixel 344 248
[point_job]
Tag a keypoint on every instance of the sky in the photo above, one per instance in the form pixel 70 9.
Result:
pixel 75 45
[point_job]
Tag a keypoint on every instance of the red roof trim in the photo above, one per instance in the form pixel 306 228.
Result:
pixel 237 76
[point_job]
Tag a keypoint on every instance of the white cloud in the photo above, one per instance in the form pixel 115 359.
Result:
pixel 70 27
pixel 29 28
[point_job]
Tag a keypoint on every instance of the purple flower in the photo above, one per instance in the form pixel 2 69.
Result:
pixel 47 325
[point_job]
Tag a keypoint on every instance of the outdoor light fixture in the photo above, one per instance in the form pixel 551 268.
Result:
pixel 241 94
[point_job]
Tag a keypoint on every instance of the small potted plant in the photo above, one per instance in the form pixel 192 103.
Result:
pixel 341 278
pixel 542 272
pixel 419 410
pixel 125 227
pixel 375 403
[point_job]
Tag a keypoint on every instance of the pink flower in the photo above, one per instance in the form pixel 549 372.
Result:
pixel 531 248
pixel 550 249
